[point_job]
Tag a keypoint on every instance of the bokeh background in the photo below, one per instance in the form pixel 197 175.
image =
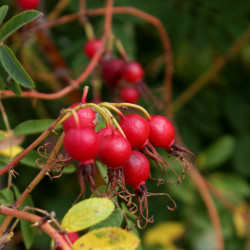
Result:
pixel 212 121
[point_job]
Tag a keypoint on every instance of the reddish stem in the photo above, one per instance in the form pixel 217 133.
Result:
pixel 45 226
pixel 84 96
pixel 211 208
pixel 116 10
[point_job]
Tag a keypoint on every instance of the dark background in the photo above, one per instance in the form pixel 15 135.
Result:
pixel 214 123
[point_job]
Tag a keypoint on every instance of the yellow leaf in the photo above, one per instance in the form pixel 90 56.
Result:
pixel 87 213
pixel 107 238
pixel 240 223
pixel 164 234
pixel 5 144
pixel 15 150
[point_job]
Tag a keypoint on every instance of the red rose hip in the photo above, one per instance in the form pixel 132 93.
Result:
pixel 111 70
pixel 136 129
pixel 86 119
pixel 81 144
pixel 91 47
pixel 161 132
pixel 114 150
pixel 132 72
pixel 129 94
pixel 28 4
pixel 107 131
pixel 137 169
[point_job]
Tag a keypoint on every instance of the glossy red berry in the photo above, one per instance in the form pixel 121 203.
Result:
pixel 81 144
pixel 132 72
pixel 86 119
pixel 136 129
pixel 28 4
pixel 107 131
pixel 161 133
pixel 111 70
pixel 137 169
pixel 91 47
pixel 72 237
pixel 129 94
pixel 114 150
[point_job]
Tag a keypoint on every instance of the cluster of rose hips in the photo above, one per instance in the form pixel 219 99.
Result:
pixel 118 73
pixel 123 149
pixel 125 75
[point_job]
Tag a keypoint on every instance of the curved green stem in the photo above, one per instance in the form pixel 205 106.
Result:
pixel 89 31
pixel 76 118
pixel 122 104
pixel 101 111
pixel 107 105
pixel 110 118
pixel 115 122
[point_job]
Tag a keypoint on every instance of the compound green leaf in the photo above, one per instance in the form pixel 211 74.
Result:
pixel 14 68
pixel 17 22
pixel 3 12
pixel 218 153
pixel 107 238
pixel 32 126
pixel 87 213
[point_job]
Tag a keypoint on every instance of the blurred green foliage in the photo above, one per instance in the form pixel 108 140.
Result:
pixel 215 124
